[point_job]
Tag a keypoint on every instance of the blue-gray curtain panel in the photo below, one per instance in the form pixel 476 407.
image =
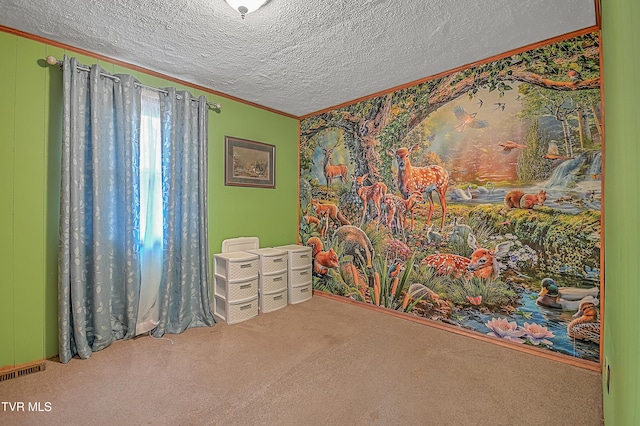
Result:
pixel 99 263
pixel 184 289
pixel 101 250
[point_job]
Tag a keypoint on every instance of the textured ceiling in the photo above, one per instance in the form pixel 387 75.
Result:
pixel 295 56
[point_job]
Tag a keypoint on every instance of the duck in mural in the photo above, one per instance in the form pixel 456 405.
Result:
pixel 585 325
pixel 566 298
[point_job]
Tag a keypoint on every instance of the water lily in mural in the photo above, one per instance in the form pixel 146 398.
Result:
pixel 537 333
pixel 504 329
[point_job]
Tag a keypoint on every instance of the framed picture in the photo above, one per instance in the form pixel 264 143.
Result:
pixel 249 163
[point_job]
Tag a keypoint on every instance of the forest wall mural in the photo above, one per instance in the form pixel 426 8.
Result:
pixel 473 199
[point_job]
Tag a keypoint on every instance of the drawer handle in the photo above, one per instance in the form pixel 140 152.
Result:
pixel 304 256
pixel 278 297
pixel 303 290
pixel 242 287
pixel 277 260
pixel 246 265
pixel 277 279
pixel 245 307
pixel 304 273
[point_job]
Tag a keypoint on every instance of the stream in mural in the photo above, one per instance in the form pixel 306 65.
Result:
pixel 473 199
pixel 555 320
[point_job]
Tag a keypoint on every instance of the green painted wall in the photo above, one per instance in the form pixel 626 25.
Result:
pixel 271 214
pixel 30 176
pixel 621 45
pixel 30 134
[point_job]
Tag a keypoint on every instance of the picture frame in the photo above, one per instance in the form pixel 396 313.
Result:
pixel 249 163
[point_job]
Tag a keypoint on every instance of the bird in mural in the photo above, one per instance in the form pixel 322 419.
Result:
pixel 468 120
pixel 510 145
pixel 574 75
pixel 585 325
pixel 480 103
pixel 500 106
pixel 395 268
pixel 394 271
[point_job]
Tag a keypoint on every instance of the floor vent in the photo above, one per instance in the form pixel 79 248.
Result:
pixel 21 371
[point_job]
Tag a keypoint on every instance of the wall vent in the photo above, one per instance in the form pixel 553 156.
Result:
pixel 21 371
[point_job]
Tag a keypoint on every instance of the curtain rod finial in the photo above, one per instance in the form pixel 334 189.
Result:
pixel 51 60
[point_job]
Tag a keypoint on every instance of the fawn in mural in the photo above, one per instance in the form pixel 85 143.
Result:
pixel 421 179
pixel 398 208
pixel 372 193
pixel 483 262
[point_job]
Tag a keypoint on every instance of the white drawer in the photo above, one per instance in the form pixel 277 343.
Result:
pixel 298 255
pixel 273 302
pixel 272 264
pixel 271 260
pixel 273 283
pixel 235 312
pixel 300 294
pixel 236 265
pixel 300 258
pixel 300 276
pixel 235 291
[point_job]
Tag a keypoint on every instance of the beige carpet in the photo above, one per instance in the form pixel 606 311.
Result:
pixel 321 362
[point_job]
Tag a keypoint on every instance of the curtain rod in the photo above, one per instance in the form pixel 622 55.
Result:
pixel 52 60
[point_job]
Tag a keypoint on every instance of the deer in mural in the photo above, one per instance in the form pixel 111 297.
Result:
pixel 333 171
pixel 482 264
pixel 421 179
pixel 399 208
pixel 374 192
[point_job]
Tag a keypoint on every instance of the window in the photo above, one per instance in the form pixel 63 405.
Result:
pixel 151 212
pixel 150 171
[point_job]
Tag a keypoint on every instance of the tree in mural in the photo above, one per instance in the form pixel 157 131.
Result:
pixel 532 166
pixel 566 67
pixel 566 108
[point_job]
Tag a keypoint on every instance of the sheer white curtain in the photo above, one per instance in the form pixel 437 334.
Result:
pixel 151 221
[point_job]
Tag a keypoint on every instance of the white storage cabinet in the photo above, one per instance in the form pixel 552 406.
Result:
pixel 272 284
pixel 235 286
pixel 299 277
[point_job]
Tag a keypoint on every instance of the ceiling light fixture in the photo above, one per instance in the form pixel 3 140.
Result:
pixel 246 6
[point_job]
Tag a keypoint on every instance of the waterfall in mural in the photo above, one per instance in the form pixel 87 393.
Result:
pixel 586 167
